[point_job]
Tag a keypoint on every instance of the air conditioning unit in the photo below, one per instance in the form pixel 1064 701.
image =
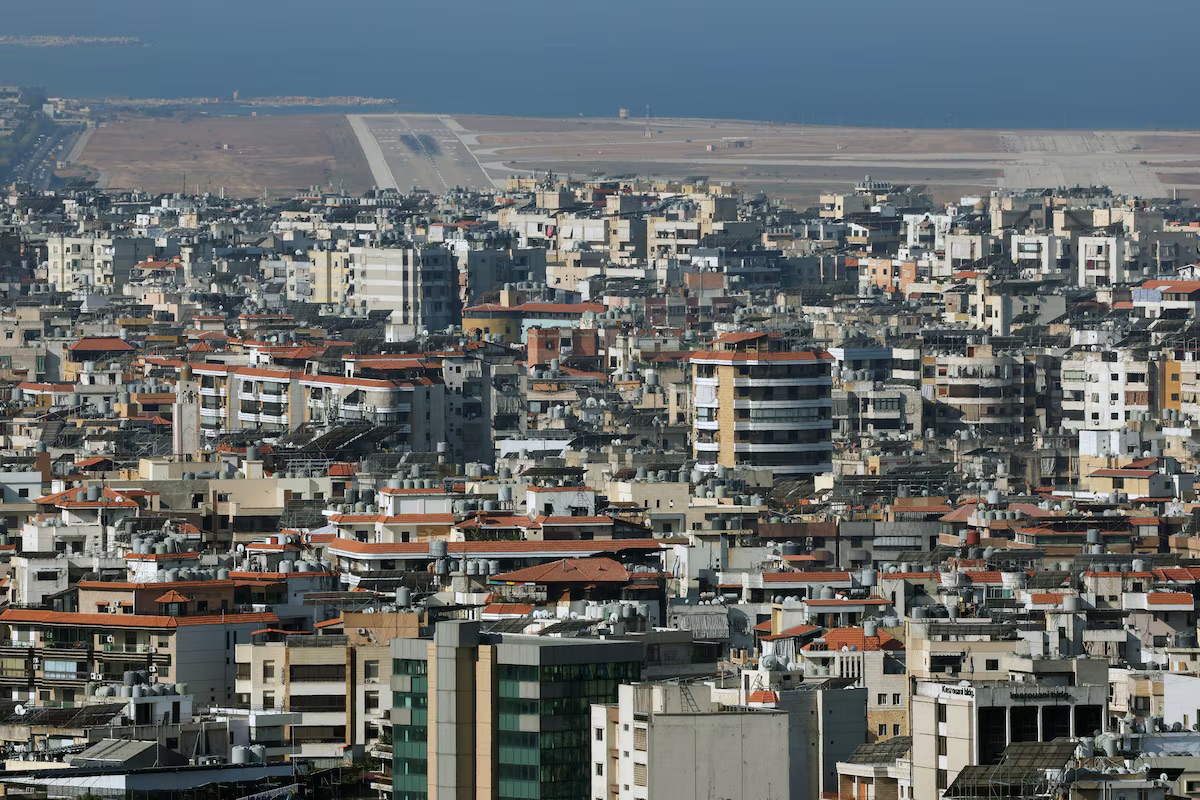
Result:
pixel 96 676
pixel 153 649
pixel 153 669
pixel 362 631
pixel 109 639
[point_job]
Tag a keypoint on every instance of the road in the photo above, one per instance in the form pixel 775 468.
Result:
pixel 35 167
pixel 422 151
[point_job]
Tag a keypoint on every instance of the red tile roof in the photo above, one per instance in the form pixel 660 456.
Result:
pixel 569 570
pixel 509 609
pixel 805 577
pixel 70 618
pixel 724 356
pixel 838 638
pixel 865 601
pixel 1170 599
pixel 77 498
pixel 1122 473
pixel 738 337
pixel 395 519
pixel 101 344
pixel 790 633
pixel 520 548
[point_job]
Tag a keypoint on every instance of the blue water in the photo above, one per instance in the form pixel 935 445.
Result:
pixel 926 63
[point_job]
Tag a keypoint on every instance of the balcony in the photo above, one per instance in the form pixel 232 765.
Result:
pixel 63 678
pixel 132 652
pixel 16 677
pixel 65 649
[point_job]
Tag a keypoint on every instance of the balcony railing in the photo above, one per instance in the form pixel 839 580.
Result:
pixel 129 648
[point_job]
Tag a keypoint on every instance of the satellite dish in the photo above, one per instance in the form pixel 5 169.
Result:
pixel 19 710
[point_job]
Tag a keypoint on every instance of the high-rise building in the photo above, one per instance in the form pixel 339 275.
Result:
pixel 759 406
pixel 499 715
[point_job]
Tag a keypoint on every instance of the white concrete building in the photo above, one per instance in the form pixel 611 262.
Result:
pixel 672 742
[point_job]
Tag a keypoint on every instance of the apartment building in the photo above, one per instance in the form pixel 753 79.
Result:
pixel 1103 389
pixel 989 392
pixel 758 406
pixel 53 656
pixel 76 262
pixel 1103 261
pixel 323 277
pixel 1041 254
pixel 418 285
pixel 335 686
pixel 274 400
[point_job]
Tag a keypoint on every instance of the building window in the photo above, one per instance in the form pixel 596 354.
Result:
pixel 882 729
pixel 599 734
pixel 896 699
pixel 268 670
pixel 268 699
pixel 599 768
pixel 371 670
pixel 371 701
pixel 941 712
pixel 991 664
pixel 896 730
pixel 639 774
pixel 881 699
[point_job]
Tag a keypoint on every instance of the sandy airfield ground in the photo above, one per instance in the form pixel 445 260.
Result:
pixel 798 162
pixel 277 155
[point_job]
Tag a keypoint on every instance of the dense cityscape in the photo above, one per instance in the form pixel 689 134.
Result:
pixel 595 488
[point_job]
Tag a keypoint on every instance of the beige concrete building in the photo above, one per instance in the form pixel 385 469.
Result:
pixel 339 685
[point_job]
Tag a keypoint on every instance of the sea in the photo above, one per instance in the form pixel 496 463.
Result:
pixel 1047 64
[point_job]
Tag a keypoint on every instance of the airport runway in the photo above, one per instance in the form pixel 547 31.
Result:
pixel 424 151
pixel 439 152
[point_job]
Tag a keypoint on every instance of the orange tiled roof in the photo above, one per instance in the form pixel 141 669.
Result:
pixel 569 570
pixel 101 344
pixel 1170 599
pixel 789 633
pixel 838 638
pixel 805 577
pixel 509 609
pixel 71 618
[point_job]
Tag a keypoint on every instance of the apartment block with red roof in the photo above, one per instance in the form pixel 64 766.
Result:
pixel 57 656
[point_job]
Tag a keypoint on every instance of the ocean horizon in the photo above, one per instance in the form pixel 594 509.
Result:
pixel 930 64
